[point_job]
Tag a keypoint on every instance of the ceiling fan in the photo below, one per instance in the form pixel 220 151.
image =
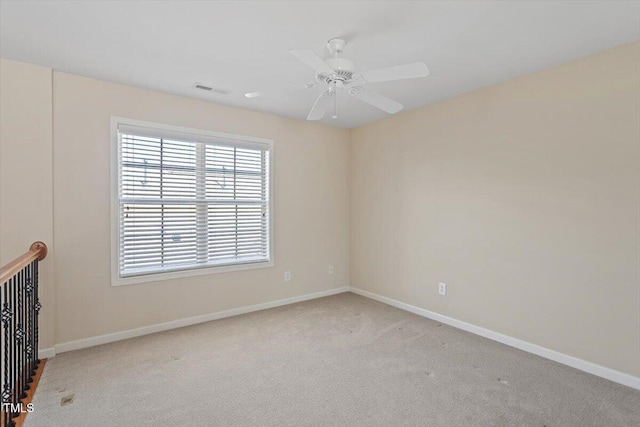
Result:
pixel 338 74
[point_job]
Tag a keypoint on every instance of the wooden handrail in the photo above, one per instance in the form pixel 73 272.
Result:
pixel 37 250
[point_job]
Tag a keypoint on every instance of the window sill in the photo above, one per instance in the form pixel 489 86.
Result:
pixel 116 280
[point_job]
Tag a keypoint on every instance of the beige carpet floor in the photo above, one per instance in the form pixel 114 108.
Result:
pixel 343 360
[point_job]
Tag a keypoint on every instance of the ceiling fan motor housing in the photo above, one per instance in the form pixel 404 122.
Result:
pixel 343 70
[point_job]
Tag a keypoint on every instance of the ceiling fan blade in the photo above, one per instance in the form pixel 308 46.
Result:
pixel 312 60
pixel 320 106
pixel 374 98
pixel 399 72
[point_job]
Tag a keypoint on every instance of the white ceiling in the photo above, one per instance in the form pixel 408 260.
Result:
pixel 243 46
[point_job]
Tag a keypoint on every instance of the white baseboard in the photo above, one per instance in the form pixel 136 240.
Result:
pixel 46 353
pixel 574 362
pixel 174 324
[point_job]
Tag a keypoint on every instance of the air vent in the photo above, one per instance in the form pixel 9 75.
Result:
pixel 200 86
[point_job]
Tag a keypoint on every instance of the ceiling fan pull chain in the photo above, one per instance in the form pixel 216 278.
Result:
pixel 335 101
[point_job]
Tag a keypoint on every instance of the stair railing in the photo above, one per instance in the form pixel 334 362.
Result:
pixel 19 307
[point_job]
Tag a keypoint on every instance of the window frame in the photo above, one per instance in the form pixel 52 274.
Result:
pixel 116 278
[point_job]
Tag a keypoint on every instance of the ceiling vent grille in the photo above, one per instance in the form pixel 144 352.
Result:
pixel 206 88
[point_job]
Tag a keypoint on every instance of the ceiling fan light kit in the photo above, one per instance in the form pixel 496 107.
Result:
pixel 338 74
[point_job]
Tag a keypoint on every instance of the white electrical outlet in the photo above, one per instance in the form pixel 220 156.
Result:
pixel 287 276
pixel 330 269
pixel 442 288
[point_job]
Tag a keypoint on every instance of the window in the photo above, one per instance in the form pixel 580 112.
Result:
pixel 188 202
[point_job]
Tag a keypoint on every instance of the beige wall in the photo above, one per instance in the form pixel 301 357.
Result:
pixel 523 197
pixel 310 210
pixel 26 173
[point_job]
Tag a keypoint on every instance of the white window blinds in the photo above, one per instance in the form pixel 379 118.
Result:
pixel 190 201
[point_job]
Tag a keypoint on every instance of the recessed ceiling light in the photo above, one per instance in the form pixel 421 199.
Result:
pixel 252 94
